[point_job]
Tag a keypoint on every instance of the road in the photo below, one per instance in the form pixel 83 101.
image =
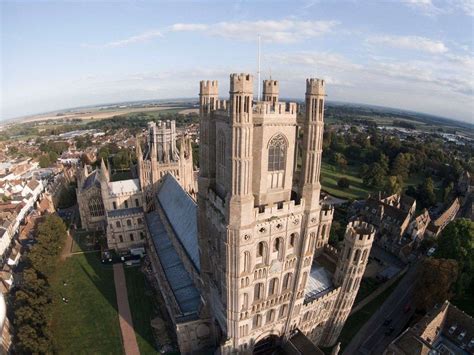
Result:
pixel 371 339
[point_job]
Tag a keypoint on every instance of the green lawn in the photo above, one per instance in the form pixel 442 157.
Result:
pixel 84 241
pixel 140 299
pixel 330 174
pixel 89 323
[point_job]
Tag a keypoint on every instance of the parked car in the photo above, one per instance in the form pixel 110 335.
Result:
pixel 389 331
pixel 387 321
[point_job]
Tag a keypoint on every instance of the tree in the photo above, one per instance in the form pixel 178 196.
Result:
pixel 448 189
pixel 457 242
pixel 383 162
pixel 401 165
pixel 393 185
pixel 426 194
pixel 340 160
pixel 52 156
pixel 121 160
pixel 31 299
pixel 44 161
pixel 374 176
pixel 435 282
pixel 343 183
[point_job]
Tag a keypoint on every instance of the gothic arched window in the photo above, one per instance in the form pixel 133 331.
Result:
pixel 273 286
pixel 270 316
pixel 277 153
pixel 356 256
pixel 220 155
pixel 287 280
pixel 257 321
pixel 293 240
pixel 258 293
pixel 246 261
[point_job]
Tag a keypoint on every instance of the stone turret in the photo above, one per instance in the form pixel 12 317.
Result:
pixel 241 122
pixel 271 90
pixel 208 95
pixel 313 127
pixel 350 268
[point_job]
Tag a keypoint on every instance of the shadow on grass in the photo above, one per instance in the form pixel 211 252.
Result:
pixel 89 319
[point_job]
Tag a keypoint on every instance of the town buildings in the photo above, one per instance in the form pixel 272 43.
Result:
pixel 444 330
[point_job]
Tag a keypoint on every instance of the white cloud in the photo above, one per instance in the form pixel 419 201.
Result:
pixel 465 6
pixel 410 42
pixel 140 38
pixel 177 27
pixel 281 31
pixel 277 31
pixel 427 7
pixel 317 60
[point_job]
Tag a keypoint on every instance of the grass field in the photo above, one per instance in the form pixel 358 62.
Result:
pixel 141 306
pixel 88 323
pixel 330 174
pixel 84 241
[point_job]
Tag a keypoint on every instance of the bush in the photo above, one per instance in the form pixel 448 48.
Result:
pixel 343 183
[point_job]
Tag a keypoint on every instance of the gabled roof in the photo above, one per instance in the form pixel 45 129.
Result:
pixel 91 180
pixel 33 184
pixel 185 292
pixel 180 210
pixel 124 186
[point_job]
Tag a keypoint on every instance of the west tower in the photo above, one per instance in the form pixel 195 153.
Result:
pixel 263 228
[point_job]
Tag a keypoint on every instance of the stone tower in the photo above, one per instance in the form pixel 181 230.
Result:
pixel 353 259
pixel 271 90
pixel 259 223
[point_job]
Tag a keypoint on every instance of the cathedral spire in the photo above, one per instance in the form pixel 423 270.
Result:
pixel 104 172
pixel 138 149
pixel 182 147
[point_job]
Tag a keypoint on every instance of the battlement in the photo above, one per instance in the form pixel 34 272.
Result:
pixel 241 83
pixel 331 252
pixel 271 87
pixel 327 212
pixel 209 87
pixel 166 124
pixel 277 210
pixel 281 108
pixel 361 230
pixel 315 86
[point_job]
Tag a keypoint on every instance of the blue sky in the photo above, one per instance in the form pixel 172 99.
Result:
pixel 414 54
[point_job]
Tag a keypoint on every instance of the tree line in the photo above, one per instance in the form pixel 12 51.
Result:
pixel 386 163
pixel 32 298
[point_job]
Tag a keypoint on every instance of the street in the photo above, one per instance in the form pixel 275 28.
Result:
pixel 371 339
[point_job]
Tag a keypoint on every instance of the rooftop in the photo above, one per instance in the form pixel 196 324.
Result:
pixel 180 210
pixel 124 186
pixel 319 282
pixel 181 284
pixel 124 212
pixel 445 329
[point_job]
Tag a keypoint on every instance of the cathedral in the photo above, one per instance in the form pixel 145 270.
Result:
pixel 118 207
pixel 244 265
